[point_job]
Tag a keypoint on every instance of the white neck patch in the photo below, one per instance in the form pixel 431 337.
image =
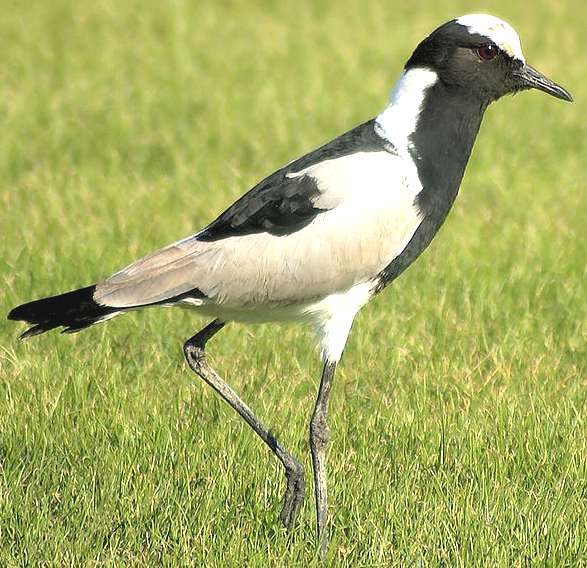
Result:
pixel 399 119
pixel 498 31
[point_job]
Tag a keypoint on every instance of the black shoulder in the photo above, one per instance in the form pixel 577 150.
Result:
pixel 362 138
pixel 279 205
pixel 283 202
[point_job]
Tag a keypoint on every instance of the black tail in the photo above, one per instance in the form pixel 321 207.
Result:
pixel 73 310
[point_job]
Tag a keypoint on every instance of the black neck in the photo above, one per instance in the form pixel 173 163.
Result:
pixel 442 143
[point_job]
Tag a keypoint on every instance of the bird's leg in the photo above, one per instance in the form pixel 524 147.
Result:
pixel 319 434
pixel 194 350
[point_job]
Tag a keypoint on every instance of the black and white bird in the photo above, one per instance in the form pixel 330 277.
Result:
pixel 318 238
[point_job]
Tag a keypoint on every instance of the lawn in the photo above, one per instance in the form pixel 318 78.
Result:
pixel 459 413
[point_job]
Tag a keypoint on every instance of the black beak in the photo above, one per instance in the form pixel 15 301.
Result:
pixel 528 78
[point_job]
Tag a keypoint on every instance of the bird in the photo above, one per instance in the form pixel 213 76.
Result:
pixel 314 241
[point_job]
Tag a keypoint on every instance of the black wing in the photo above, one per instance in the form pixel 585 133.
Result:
pixel 278 205
pixel 281 205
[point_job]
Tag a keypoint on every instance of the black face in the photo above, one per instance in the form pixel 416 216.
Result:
pixel 474 67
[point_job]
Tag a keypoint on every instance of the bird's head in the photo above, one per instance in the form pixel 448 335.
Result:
pixel 480 56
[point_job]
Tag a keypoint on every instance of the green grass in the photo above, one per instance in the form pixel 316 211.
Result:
pixel 459 410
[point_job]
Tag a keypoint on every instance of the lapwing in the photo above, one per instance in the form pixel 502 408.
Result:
pixel 314 241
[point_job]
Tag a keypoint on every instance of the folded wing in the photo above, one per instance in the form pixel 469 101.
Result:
pixel 322 223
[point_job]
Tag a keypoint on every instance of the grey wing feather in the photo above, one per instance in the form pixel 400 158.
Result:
pixel 278 206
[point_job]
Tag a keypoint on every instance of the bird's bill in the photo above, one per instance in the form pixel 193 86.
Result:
pixel 529 78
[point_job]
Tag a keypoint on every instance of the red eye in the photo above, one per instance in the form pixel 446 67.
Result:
pixel 487 52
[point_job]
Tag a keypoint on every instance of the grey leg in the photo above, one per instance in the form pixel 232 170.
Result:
pixel 319 434
pixel 194 350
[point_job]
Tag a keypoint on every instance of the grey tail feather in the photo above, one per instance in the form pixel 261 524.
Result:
pixel 73 311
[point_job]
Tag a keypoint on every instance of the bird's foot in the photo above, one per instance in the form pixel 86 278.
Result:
pixel 294 495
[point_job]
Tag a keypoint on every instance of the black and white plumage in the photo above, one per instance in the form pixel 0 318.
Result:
pixel 318 238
